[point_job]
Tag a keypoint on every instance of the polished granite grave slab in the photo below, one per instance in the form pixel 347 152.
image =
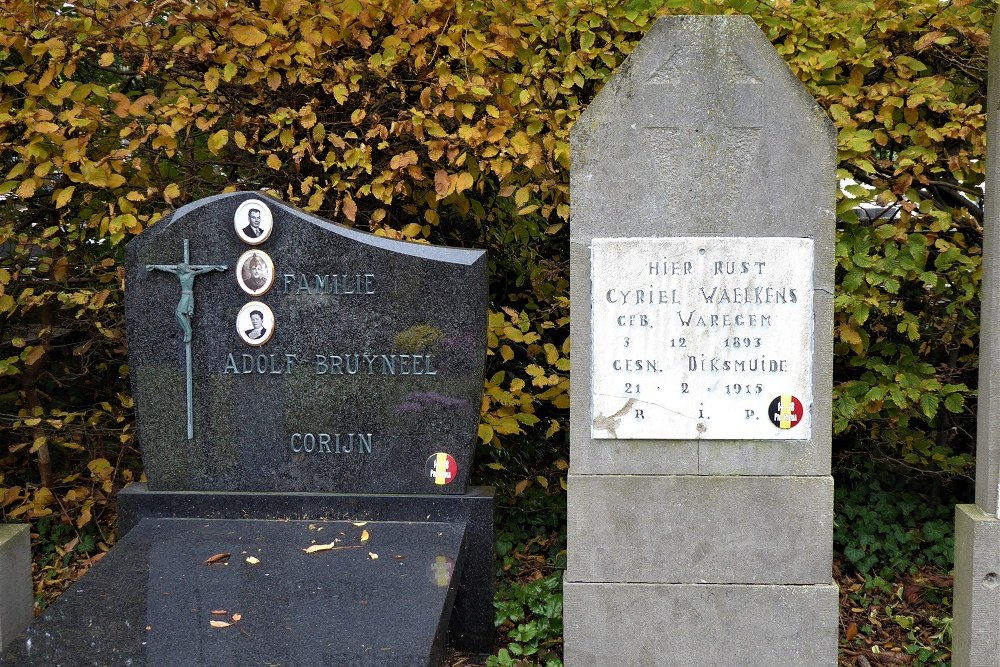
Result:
pixel 471 627
pixel 381 597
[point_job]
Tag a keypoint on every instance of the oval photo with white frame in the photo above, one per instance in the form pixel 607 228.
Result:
pixel 255 272
pixel 255 323
pixel 253 221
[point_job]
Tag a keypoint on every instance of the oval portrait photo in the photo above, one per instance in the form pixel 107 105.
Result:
pixel 253 221
pixel 255 323
pixel 255 272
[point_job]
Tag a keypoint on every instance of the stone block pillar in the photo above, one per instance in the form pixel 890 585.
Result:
pixel 702 248
pixel 16 599
pixel 976 599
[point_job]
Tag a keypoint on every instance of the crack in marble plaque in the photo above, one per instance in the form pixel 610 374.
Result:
pixel 611 424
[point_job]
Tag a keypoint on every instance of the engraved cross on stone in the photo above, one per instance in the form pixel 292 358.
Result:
pixel 186 273
pixel 702 149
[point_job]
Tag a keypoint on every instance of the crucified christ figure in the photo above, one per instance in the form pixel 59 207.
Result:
pixel 186 273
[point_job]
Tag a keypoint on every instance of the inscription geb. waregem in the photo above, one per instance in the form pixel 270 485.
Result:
pixel 702 337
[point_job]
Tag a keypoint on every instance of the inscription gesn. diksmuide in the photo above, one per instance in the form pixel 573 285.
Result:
pixel 702 338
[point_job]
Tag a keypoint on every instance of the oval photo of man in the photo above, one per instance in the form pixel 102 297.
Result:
pixel 255 272
pixel 255 323
pixel 253 222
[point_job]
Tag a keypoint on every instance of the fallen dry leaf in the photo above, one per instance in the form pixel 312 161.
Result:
pixel 220 612
pixel 364 535
pixel 359 523
pixel 373 556
pixel 93 559
pixel 938 580
pixel 68 547
pixel 851 632
pixel 219 624
pixel 889 658
pixel 252 560
pixel 216 558
pixel 237 617
pixel 329 547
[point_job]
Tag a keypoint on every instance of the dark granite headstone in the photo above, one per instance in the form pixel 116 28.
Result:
pixel 286 370
pixel 320 358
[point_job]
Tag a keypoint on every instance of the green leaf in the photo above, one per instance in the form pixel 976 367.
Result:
pixel 929 404
pixel 954 402
pixel 218 140
pixel 852 280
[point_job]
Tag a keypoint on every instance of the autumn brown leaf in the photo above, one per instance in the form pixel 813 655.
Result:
pixel 328 547
pixel 912 592
pixel 212 560
pixel 248 35
pixel 320 547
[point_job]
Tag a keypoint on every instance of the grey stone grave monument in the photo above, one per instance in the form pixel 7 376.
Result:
pixel 702 248
pixel 16 599
pixel 976 596
pixel 307 398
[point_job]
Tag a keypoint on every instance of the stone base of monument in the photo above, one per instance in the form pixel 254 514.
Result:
pixel 16 599
pixel 749 529
pixel 976 623
pixel 402 575
pixel 721 570
pixel 699 624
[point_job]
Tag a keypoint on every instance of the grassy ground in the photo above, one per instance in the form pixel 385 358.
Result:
pixel 906 621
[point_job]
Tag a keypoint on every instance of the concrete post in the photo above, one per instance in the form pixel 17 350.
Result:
pixel 16 599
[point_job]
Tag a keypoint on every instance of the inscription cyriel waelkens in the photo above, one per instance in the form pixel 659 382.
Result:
pixel 702 337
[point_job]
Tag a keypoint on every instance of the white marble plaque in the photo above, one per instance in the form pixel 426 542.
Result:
pixel 702 337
